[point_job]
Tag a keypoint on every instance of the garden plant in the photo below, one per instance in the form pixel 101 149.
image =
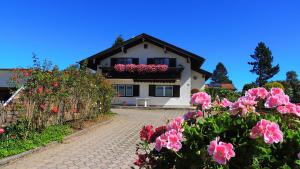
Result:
pixel 50 100
pixel 259 130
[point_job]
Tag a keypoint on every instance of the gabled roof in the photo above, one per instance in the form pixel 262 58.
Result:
pixel 196 60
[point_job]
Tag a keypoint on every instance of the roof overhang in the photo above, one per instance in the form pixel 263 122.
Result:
pixel 95 59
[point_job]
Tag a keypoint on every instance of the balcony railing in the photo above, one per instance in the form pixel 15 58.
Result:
pixel 173 73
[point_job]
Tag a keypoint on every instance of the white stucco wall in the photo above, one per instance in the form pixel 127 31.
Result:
pixel 198 80
pixel 153 51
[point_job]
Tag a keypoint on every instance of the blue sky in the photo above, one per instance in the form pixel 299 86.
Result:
pixel 66 31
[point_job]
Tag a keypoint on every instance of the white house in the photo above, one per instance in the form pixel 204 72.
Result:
pixel 168 88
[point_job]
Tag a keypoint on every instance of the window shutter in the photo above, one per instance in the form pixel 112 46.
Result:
pixel 113 61
pixel 151 90
pixel 172 62
pixel 150 61
pixel 136 90
pixel 135 61
pixel 176 91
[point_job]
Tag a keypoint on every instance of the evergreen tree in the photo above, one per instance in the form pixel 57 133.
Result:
pixel 294 84
pixel 291 76
pixel 220 74
pixel 262 64
pixel 119 41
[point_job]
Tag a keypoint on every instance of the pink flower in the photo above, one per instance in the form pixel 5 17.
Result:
pixel 270 131
pixel 171 140
pixel 162 68
pixel 141 68
pixel 273 134
pixel 259 128
pixel 120 68
pixel 160 142
pixel 276 91
pixel 221 152
pixel 225 103
pixel 288 108
pixel 174 142
pixel 298 155
pixel 199 113
pixel 243 105
pixel 276 100
pixel 131 68
pixel 146 133
pixel 151 68
pixel 201 98
pixel 176 124
pixel 2 131
pixel 258 93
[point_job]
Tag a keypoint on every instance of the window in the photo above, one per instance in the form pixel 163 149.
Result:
pixel 164 61
pixel 164 91
pixel 159 91
pixel 124 61
pixel 124 90
pixel 129 90
pixel 121 90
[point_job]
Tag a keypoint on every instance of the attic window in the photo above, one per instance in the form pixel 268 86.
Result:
pixel 145 46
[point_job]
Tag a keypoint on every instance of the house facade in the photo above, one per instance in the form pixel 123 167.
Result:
pixel 170 87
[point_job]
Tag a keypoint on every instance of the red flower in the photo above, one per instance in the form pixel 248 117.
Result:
pixel 40 90
pixel 141 160
pixel 43 107
pixel 55 84
pixel 2 131
pixel 146 133
pixel 54 109
pixel 74 110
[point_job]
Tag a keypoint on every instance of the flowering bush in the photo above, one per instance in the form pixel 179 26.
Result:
pixel 140 68
pixel 120 68
pixel 53 96
pixel 259 130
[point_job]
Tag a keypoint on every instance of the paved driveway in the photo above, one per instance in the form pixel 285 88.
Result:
pixel 111 146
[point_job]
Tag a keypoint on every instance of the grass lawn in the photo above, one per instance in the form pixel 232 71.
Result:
pixel 19 140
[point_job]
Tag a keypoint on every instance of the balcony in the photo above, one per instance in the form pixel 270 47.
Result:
pixel 171 75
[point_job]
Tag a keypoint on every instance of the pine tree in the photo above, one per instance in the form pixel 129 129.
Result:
pixel 293 82
pixel 291 76
pixel 220 74
pixel 262 64
pixel 119 41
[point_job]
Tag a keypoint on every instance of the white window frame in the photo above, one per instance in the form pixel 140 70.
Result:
pixel 164 91
pixel 129 95
pixel 126 94
pixel 119 90
pixel 125 61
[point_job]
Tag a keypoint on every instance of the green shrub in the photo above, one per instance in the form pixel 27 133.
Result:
pixel 249 86
pixel 271 85
pixel 223 93
pixel 241 135
pixel 18 138
pixel 52 96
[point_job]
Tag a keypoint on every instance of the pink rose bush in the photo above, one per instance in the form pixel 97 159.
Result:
pixel 140 68
pixel 261 128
